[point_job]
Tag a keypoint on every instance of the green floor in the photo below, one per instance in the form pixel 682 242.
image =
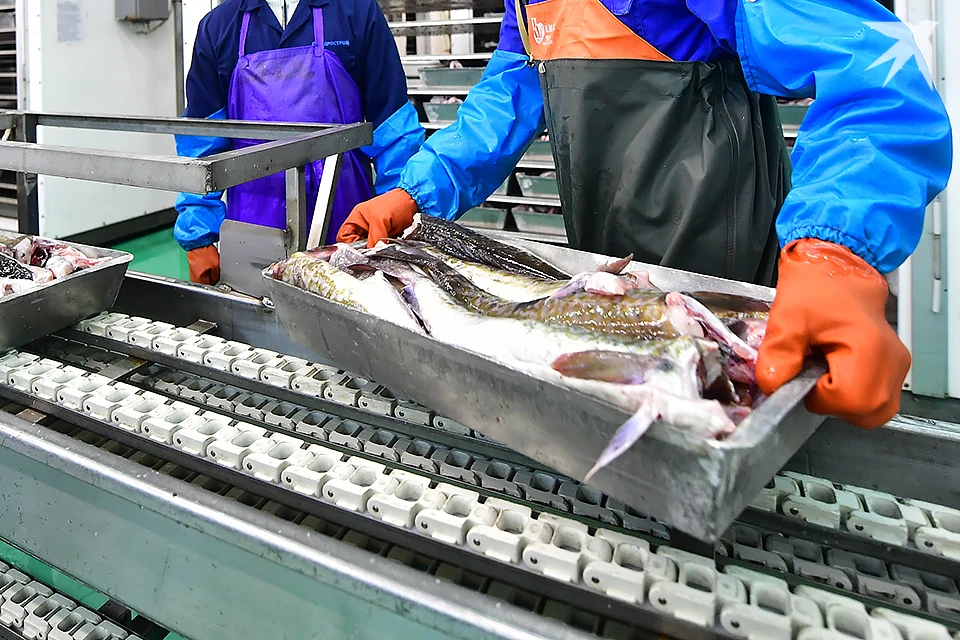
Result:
pixel 158 254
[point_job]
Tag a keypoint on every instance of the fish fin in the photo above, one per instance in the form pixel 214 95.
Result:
pixel 601 283
pixel 616 267
pixel 638 280
pixel 324 252
pixel 607 366
pixel 605 284
pixel 625 437
pixel 574 286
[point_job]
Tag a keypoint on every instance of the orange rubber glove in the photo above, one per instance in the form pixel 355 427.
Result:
pixel 830 300
pixel 204 265
pixel 385 216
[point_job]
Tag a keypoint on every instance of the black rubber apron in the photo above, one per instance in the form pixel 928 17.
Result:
pixel 678 163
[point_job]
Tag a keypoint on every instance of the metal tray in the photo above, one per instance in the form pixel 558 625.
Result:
pixel 696 486
pixel 484 218
pixel 440 112
pixel 534 222
pixel 56 305
pixel 447 77
pixel 539 149
pixel 538 186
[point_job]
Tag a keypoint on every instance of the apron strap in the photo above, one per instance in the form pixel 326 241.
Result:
pixel 522 26
pixel 318 26
pixel 244 28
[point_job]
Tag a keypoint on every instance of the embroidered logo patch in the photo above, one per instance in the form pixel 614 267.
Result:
pixel 542 33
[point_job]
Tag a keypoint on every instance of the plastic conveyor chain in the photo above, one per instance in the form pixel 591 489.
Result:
pixel 335 452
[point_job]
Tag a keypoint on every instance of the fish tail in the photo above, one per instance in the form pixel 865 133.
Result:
pixel 627 435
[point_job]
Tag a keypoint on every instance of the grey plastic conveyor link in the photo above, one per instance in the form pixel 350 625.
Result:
pixel 877 516
pixel 297 375
pixel 737 601
pixel 536 486
pixel 564 494
pixel 34 611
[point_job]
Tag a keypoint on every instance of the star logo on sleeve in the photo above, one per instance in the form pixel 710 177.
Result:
pixel 912 42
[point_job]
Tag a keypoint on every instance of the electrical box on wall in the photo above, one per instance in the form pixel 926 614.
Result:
pixel 142 10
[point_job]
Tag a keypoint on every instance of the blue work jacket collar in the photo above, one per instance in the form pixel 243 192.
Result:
pixel 298 19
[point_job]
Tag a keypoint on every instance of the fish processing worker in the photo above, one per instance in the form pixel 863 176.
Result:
pixel 293 61
pixel 668 145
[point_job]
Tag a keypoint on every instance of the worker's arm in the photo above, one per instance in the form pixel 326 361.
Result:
pixel 461 165
pixel 199 216
pixel 397 132
pixel 875 146
pixel 873 151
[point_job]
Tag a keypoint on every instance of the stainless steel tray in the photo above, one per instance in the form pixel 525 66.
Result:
pixel 63 302
pixel 696 486
pixel 484 218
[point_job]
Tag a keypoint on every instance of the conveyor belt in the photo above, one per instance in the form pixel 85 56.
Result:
pixel 852 519
pixel 32 610
pixel 471 495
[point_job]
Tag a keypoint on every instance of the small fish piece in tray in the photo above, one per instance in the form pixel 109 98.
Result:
pixel 27 262
pixel 11 269
pixel 57 257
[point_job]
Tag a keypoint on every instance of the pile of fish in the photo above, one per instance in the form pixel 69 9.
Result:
pixel 687 359
pixel 26 262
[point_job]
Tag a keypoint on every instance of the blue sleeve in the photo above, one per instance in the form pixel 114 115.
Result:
pixel 875 146
pixel 397 133
pixel 461 165
pixel 199 216
pixel 394 143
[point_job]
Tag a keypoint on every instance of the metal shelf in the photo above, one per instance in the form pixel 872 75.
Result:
pixel 421 90
pixel 8 97
pixel 548 238
pixel 427 27
pixel 527 200
pixel 530 163
pixel 443 57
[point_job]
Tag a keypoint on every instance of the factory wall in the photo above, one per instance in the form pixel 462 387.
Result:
pixel 77 58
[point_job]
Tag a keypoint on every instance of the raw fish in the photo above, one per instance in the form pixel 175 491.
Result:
pixel 465 244
pixel 374 295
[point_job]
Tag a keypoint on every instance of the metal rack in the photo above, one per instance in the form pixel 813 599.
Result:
pixel 9 96
pixel 289 148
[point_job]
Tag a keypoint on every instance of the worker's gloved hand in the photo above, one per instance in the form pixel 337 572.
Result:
pixel 830 300
pixel 385 216
pixel 204 265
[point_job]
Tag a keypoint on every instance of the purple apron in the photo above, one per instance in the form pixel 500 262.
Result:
pixel 300 84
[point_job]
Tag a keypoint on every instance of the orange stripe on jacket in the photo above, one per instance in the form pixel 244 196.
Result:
pixel 583 29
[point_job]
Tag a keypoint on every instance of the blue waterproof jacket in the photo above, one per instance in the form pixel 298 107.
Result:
pixel 355 30
pixel 874 149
